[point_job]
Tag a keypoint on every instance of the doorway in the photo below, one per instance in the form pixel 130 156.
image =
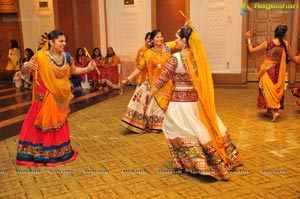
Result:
pixel 10 29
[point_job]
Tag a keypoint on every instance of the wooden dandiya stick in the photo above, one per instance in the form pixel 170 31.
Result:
pixel 187 20
pixel 252 29
pixel 89 56
pixel 182 14
pixel 35 72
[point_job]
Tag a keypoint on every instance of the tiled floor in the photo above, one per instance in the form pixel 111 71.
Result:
pixel 114 163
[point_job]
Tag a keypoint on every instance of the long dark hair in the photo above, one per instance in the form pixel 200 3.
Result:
pixel 30 54
pixel 147 35
pixel 279 33
pixel 94 55
pixel 14 44
pixel 184 33
pixel 77 54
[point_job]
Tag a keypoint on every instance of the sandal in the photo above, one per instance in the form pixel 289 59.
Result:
pixel 275 117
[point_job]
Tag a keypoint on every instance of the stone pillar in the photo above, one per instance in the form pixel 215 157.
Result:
pixel 294 42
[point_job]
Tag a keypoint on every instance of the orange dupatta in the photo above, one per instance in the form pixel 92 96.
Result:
pixel 139 55
pixel 56 100
pixel 151 60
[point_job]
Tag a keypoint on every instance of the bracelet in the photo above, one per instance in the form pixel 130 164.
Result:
pixel 249 41
pixel 25 65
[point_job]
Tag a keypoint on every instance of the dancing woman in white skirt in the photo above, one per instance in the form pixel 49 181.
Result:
pixel 197 138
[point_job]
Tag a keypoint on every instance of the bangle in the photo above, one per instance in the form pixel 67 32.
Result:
pixel 249 41
pixel 25 65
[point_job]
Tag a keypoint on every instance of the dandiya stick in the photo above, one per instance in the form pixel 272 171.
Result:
pixel 35 72
pixel 89 56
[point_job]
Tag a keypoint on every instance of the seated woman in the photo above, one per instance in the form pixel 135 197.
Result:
pixel 24 79
pixel 14 57
pixel 93 76
pixel 80 81
pixel 109 69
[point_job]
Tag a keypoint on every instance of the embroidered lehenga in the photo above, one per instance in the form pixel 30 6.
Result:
pixel 135 117
pixel 44 138
pixel 197 138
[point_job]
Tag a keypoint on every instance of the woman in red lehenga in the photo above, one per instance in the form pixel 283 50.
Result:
pixel 80 60
pixel 110 69
pixel 272 70
pixel 95 78
pixel 44 138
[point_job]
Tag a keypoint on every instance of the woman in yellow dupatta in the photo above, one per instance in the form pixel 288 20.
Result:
pixel 272 71
pixel 44 138
pixel 14 57
pixel 197 138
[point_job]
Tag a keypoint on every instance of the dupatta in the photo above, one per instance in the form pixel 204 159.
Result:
pixel 199 69
pixel 273 92
pixel 55 105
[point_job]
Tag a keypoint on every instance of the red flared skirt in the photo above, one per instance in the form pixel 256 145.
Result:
pixel 43 148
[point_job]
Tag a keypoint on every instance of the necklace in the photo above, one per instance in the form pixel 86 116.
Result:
pixel 157 57
pixel 58 59
pixel 184 63
pixel 158 50
pixel 54 60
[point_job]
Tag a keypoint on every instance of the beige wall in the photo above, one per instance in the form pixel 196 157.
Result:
pixel 35 21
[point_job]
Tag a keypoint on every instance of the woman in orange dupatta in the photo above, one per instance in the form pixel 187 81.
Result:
pixel 272 71
pixel 44 138
pixel 197 138
pixel 153 61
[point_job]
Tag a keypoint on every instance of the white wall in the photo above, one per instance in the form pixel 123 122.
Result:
pixel 219 24
pixel 127 26
pixel 35 21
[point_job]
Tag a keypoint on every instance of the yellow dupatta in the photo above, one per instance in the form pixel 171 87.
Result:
pixel 55 107
pixel 14 63
pixel 273 92
pixel 199 70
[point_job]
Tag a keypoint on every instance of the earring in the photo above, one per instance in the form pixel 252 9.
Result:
pixel 184 42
